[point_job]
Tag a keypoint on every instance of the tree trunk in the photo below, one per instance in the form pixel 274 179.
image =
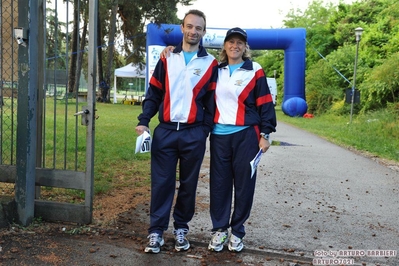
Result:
pixel 111 45
pixel 102 94
pixel 74 47
pixel 81 52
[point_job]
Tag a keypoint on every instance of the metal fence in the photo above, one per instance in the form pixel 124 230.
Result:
pixel 8 95
pixel 61 141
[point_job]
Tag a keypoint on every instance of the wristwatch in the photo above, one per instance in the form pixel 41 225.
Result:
pixel 265 136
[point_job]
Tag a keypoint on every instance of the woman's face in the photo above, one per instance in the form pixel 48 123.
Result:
pixel 235 48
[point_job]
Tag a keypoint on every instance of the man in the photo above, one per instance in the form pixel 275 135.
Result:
pixel 181 90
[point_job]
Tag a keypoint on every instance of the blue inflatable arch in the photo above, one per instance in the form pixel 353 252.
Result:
pixel 292 41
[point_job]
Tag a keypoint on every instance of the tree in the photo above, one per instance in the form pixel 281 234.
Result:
pixel 128 26
pixel 111 41
pixel 82 49
pixel 55 39
pixel 381 85
pixel 74 47
pixel 133 18
pixel 326 82
pixel 331 51
pixel 315 19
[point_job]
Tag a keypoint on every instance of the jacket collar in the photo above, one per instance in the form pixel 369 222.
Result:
pixel 201 50
pixel 247 65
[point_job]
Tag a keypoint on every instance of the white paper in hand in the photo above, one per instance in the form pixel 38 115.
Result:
pixel 255 161
pixel 143 143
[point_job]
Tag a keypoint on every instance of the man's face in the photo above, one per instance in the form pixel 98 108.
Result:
pixel 193 29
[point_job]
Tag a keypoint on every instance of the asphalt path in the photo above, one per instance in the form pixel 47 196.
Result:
pixel 317 200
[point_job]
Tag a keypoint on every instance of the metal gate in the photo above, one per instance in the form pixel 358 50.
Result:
pixel 46 131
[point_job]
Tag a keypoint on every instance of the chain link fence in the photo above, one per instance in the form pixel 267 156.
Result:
pixel 8 95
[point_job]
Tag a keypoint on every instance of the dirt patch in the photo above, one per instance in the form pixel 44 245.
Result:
pixel 107 208
pixel 116 237
pixel 120 218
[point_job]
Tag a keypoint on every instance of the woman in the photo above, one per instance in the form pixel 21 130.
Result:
pixel 244 118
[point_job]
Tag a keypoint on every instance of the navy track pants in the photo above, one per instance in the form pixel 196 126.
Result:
pixel 169 147
pixel 230 173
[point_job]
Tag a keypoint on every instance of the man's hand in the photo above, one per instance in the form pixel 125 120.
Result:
pixel 140 129
pixel 166 52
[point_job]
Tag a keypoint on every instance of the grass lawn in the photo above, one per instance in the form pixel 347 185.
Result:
pixel 374 133
pixel 116 163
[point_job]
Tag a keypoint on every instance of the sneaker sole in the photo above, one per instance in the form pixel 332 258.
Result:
pixel 152 250
pixel 236 249
pixel 182 248
pixel 216 249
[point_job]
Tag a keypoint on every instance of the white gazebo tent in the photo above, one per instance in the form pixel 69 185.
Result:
pixel 128 71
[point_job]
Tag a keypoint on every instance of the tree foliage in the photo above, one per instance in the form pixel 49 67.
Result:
pixel 134 17
pixel 121 35
pixel 331 49
pixel 55 40
pixel 326 82
pixel 382 84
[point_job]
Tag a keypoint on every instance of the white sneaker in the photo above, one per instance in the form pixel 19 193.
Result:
pixel 217 241
pixel 235 244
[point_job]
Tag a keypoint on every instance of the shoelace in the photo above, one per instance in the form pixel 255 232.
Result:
pixel 180 233
pixel 153 238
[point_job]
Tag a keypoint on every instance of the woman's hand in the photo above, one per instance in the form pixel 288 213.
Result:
pixel 264 144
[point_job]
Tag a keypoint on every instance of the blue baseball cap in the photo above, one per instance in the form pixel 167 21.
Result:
pixel 237 31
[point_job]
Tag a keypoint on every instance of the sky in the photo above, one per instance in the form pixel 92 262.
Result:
pixel 248 14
